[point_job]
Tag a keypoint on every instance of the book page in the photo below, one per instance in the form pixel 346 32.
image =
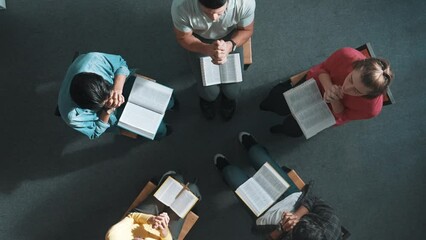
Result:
pixel 315 119
pixel 253 195
pixel 140 120
pixel 263 189
pixel 309 109
pixel 168 191
pixel 150 95
pixel 271 181
pixel 183 203
pixel 210 72
pixel 230 71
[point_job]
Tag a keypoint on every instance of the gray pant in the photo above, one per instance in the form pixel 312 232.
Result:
pixel 152 206
pixel 210 93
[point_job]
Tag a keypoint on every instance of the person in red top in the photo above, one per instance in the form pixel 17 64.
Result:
pixel 350 83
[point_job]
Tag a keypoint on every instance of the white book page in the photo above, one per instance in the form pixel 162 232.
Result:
pixel 168 191
pixel 183 203
pixel 140 120
pixel 150 95
pixel 230 71
pixel 210 73
pixel 309 109
pixel 315 119
pixel 253 195
pixel 271 181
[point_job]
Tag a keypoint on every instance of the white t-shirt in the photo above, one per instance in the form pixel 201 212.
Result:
pixel 188 17
pixel 274 214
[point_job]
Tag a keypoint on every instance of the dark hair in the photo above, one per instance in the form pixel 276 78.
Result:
pixel 212 4
pixel 308 228
pixel 375 74
pixel 89 91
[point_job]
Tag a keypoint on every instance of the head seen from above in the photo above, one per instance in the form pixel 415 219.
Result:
pixel 89 91
pixel 213 9
pixel 308 228
pixel 369 78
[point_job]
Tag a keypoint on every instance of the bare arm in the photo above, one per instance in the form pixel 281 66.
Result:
pixel 188 41
pixel 242 34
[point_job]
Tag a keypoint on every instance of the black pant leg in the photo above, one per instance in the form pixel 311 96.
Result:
pixel 275 101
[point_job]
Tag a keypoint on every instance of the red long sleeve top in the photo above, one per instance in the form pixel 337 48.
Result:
pixel 338 66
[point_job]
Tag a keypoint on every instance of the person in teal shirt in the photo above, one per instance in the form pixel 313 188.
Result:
pixel 92 91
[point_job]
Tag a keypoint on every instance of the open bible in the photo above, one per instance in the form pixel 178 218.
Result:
pixel 176 196
pixel 309 109
pixel 145 107
pixel 263 189
pixel 229 72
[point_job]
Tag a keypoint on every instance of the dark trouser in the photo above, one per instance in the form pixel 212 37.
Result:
pixel 154 207
pixel 210 93
pixel 276 103
pixel 258 155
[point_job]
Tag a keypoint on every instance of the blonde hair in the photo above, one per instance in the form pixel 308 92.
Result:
pixel 375 74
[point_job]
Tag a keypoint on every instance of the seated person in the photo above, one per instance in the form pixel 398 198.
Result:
pixel 214 28
pixel 91 92
pixel 296 214
pixel 151 219
pixel 350 83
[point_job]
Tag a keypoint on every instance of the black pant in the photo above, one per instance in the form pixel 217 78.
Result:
pixel 276 103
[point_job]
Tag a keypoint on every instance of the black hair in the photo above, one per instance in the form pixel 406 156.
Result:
pixel 213 4
pixel 308 228
pixel 89 91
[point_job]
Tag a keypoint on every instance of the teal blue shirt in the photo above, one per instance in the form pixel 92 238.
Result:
pixel 84 120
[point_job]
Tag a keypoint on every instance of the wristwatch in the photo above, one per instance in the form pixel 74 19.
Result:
pixel 234 45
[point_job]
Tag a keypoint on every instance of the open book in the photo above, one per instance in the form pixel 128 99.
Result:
pixel 229 72
pixel 145 107
pixel 309 109
pixel 177 196
pixel 262 190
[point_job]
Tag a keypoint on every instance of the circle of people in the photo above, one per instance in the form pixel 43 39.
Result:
pixel 92 98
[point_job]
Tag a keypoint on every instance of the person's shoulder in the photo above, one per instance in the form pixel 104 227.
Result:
pixel 245 3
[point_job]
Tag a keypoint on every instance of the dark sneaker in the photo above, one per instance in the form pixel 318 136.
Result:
pixel 286 130
pixel 207 108
pixel 227 108
pixel 247 140
pixel 220 161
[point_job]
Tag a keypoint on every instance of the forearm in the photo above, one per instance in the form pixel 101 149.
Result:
pixel 241 35
pixel 191 43
pixel 119 81
pixel 325 80
pixel 104 116
pixel 301 211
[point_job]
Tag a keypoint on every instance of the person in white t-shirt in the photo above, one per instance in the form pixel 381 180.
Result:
pixel 213 28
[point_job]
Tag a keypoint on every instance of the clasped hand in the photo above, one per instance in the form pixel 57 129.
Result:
pixel 160 222
pixel 115 99
pixel 288 221
pixel 219 51
pixel 334 93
